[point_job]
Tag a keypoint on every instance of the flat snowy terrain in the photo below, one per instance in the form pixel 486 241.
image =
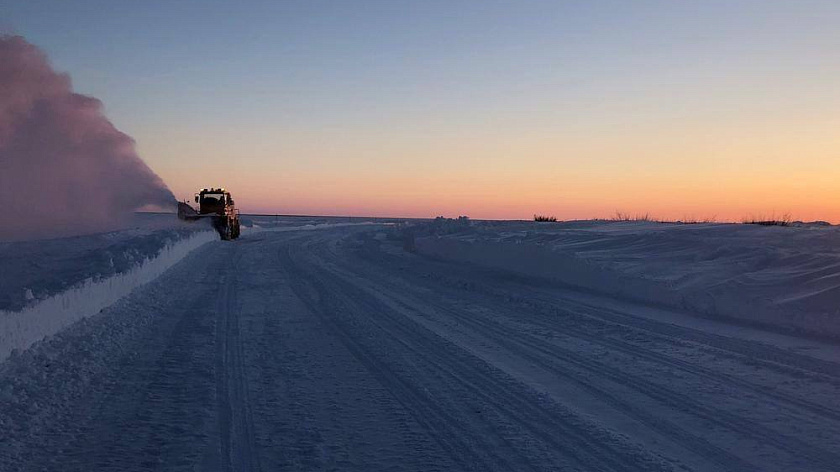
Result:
pixel 782 278
pixel 448 347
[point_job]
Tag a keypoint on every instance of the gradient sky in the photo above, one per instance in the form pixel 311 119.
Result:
pixel 491 109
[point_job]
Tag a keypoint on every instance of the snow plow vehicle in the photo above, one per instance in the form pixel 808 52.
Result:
pixel 216 204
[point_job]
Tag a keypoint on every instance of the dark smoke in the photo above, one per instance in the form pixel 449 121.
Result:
pixel 64 168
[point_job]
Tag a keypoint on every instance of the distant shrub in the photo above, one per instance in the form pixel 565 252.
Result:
pixel 545 218
pixel 783 220
pixel 647 217
pixel 621 216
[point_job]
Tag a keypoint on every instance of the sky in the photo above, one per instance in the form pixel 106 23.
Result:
pixel 713 109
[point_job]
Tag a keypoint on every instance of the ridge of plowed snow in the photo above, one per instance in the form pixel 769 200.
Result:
pixel 20 329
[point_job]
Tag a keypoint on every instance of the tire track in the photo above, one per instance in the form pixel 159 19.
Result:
pixel 536 421
pixel 235 419
pixel 561 358
pixel 625 324
pixel 511 340
pixel 769 356
pixel 748 428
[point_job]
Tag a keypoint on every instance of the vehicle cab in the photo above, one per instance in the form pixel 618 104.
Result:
pixel 213 201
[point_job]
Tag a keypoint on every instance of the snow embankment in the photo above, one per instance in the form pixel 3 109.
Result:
pixel 784 277
pixel 20 329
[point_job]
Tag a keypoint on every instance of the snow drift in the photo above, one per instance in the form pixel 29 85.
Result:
pixel 64 168
pixel 785 278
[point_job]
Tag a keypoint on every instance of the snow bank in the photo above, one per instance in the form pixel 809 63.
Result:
pixel 788 278
pixel 32 271
pixel 20 329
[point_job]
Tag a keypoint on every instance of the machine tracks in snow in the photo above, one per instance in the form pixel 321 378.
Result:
pixel 236 438
pixel 541 343
pixel 633 335
pixel 544 434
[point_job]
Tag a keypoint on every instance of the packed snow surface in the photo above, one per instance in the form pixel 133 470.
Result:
pixel 787 278
pixel 378 347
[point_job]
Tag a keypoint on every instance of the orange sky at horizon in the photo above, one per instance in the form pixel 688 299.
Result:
pixel 726 173
pixel 729 201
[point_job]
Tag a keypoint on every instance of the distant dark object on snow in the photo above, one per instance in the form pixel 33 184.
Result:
pixel 783 220
pixel 544 218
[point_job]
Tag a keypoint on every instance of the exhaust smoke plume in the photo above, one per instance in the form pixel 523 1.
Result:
pixel 64 168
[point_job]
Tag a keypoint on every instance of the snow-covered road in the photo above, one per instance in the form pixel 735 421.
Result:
pixel 336 350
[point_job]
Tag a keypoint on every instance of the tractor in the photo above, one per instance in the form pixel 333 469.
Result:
pixel 216 204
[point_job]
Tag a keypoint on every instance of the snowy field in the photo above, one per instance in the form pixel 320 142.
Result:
pixel 330 344
pixel 783 278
